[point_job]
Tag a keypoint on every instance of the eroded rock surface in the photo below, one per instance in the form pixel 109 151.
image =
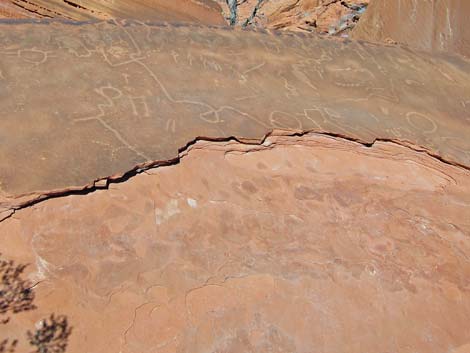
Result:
pixel 195 11
pixel 433 25
pixel 79 103
pixel 302 244
pixel 321 16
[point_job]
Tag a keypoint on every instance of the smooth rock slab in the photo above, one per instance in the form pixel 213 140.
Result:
pixel 436 25
pixel 83 102
pixel 305 244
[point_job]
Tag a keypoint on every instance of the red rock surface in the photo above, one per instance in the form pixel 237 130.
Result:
pixel 440 25
pixel 81 103
pixel 302 244
pixel 355 239
pixel 194 11
pixel 321 16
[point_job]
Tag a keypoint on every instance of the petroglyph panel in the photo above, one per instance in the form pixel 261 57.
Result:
pixel 78 103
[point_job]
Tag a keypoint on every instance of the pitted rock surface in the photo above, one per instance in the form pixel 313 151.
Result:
pixel 302 244
pixel 84 102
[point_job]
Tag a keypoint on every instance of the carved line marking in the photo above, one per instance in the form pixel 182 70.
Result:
pixel 242 80
pixel 139 101
pixel 302 76
pixel 175 56
pixel 87 54
pixel 396 132
pixel 213 114
pixel 254 68
pixel 277 124
pixel 446 75
pixel 190 59
pixel 45 55
pixel 136 58
pixel 292 91
pixel 413 82
pixel 307 116
pixel 112 148
pixel 210 64
pixel 411 116
pixel 115 94
pixel 171 125
pixel 238 99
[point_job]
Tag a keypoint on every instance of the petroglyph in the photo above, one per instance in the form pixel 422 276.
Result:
pixel 144 91
pixel 315 115
pixel 30 55
pixel 74 46
pixel 254 68
pixel 34 55
pixel 210 64
pixel 283 120
pixel 139 104
pixel 291 91
pixel 175 55
pixel 421 122
pixel 126 77
pixel 111 94
pixel 171 126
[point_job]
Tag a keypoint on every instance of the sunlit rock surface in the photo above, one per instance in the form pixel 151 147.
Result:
pixel 161 183
pixel 84 102
pixel 320 16
pixel 440 25
pixel 303 244
pixel 195 11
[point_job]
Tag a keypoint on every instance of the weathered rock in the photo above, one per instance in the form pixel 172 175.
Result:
pixel 302 244
pixel 80 103
pixel 432 25
pixel 321 16
pixel 196 11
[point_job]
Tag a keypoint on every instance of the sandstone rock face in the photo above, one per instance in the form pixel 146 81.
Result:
pixel 200 11
pixel 191 189
pixel 435 24
pixel 80 103
pixel 321 16
pixel 302 244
